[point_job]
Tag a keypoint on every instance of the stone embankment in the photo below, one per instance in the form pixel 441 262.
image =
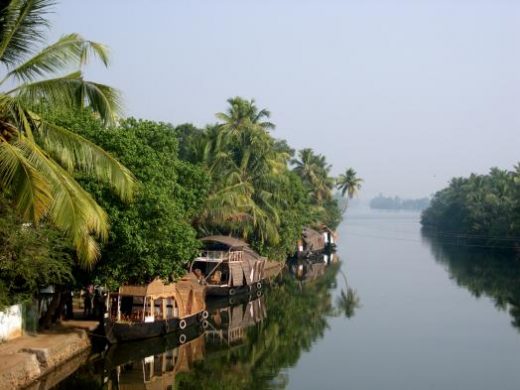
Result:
pixel 56 353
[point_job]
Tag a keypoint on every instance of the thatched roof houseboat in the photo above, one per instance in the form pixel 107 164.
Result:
pixel 154 309
pixel 228 266
pixel 316 240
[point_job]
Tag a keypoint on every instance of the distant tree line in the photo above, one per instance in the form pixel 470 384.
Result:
pixel 396 203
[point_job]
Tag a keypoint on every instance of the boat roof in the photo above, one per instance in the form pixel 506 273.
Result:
pixel 157 288
pixel 307 231
pixel 231 242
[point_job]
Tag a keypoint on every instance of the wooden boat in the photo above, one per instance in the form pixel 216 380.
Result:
pixel 142 311
pixel 228 266
pixel 315 241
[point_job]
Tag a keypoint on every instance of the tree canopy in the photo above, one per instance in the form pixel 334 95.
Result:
pixel 37 156
pixel 479 209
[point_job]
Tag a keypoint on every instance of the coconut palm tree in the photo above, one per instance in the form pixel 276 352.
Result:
pixel 246 171
pixel 38 157
pixel 243 114
pixel 348 183
pixel 314 171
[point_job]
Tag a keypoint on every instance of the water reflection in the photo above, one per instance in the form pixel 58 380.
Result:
pixel 483 272
pixel 157 371
pixel 278 328
pixel 248 342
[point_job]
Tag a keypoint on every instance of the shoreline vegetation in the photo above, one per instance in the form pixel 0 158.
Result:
pixel 480 211
pixel 91 197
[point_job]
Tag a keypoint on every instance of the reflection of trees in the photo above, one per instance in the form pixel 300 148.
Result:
pixel 348 301
pixel 482 272
pixel 296 318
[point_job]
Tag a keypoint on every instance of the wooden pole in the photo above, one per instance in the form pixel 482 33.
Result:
pixel 164 309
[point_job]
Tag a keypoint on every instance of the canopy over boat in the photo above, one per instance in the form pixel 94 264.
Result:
pixel 187 293
pixel 313 239
pixel 231 242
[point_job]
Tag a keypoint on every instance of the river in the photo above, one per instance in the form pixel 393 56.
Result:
pixel 399 311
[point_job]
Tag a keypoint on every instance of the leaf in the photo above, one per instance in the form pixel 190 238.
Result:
pixel 26 185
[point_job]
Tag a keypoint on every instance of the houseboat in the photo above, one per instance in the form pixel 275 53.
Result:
pixel 315 241
pixel 228 266
pixel 142 311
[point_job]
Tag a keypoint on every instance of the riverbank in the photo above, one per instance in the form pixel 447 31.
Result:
pixel 29 358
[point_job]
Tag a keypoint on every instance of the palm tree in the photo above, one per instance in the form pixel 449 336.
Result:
pixel 348 183
pixel 38 157
pixel 243 114
pixel 314 171
pixel 246 174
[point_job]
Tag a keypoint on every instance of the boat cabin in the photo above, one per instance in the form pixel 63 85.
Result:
pixel 227 264
pixel 316 240
pixel 141 311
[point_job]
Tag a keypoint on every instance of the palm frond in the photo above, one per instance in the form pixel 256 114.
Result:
pixel 25 184
pixel 22 26
pixel 72 91
pixel 73 209
pixel 73 149
pixel 69 51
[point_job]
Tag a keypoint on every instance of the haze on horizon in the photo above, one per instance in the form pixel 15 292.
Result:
pixel 409 93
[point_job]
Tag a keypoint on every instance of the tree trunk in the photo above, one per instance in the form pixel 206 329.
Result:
pixel 55 304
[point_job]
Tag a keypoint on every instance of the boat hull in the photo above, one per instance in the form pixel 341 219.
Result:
pixel 227 291
pixel 120 332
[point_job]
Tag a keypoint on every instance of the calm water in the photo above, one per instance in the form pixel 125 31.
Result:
pixel 400 311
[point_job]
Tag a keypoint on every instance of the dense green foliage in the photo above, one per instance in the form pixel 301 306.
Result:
pixel 225 179
pixel 37 157
pixel 396 203
pixel 30 258
pixel 152 236
pixel 253 193
pixel 481 209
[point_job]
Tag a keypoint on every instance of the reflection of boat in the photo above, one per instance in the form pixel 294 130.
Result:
pixel 142 311
pixel 124 353
pixel 158 371
pixel 229 266
pixel 228 324
pixel 313 267
pixel 316 240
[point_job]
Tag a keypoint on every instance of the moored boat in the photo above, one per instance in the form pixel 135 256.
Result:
pixel 228 266
pixel 316 240
pixel 142 311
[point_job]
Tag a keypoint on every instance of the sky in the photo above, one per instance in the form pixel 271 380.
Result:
pixel 408 93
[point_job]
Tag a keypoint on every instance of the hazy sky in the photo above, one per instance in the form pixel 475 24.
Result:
pixel 409 93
